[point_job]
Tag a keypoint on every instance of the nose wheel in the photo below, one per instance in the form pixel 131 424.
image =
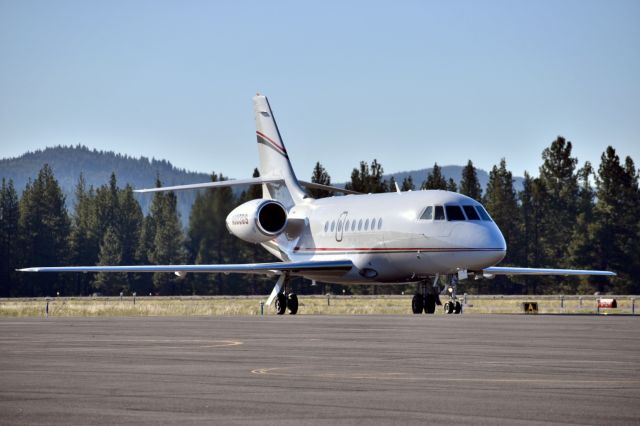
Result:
pixel 452 307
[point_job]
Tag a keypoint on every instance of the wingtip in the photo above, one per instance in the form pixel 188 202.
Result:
pixel 27 270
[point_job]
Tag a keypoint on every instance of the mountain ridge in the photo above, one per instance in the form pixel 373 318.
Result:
pixel 67 162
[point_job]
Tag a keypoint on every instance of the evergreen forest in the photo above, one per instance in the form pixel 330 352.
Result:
pixel 569 216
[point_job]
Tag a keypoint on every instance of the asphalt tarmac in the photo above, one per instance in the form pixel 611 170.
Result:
pixel 484 369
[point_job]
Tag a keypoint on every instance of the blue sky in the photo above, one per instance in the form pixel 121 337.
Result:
pixel 408 83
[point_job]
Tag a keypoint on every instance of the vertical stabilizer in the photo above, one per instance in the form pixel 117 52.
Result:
pixel 274 160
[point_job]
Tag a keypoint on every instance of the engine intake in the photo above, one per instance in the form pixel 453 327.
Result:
pixel 257 221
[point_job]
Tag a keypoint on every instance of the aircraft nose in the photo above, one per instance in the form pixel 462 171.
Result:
pixel 496 244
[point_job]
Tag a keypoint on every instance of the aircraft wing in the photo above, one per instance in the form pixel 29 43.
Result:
pixel 246 268
pixel 507 270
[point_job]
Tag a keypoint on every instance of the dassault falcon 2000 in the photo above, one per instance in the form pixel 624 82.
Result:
pixel 389 238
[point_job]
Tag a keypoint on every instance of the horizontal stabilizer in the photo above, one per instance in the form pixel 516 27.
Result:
pixel 247 268
pixel 327 188
pixel 218 184
pixel 497 270
pixel 242 182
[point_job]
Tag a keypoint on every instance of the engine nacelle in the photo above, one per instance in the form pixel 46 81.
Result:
pixel 257 221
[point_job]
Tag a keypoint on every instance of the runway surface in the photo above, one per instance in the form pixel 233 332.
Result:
pixel 485 369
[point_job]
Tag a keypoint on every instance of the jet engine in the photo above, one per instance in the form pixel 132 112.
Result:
pixel 257 221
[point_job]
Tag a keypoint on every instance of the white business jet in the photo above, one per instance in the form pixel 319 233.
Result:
pixel 373 239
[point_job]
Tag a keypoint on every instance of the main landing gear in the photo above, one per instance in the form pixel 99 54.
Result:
pixel 425 301
pixel 283 300
pixel 286 301
pixel 428 299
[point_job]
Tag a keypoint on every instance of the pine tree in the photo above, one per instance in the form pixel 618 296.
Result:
pixel 470 185
pixel 143 283
pixel 451 185
pixel 616 223
pixel 435 179
pixel 111 283
pixel 407 184
pixel 392 184
pixel 500 201
pixel 107 207
pixel 44 229
pixel 581 243
pixel 359 178
pixel 129 229
pixel 376 182
pixel 531 212
pixel 320 176
pixel 254 191
pixel 9 216
pixel 84 241
pixel 168 242
pixel 560 181
pixel 368 180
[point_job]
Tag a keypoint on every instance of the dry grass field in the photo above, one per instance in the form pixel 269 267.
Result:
pixel 309 305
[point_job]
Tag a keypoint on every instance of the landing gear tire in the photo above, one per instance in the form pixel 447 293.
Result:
pixel 281 304
pixel 429 303
pixel 417 303
pixel 449 307
pixel 292 303
pixel 457 308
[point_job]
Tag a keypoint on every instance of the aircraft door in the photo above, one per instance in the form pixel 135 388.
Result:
pixel 340 226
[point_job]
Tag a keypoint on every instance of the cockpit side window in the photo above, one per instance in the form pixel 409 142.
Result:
pixel 454 213
pixel 483 213
pixel 471 213
pixel 427 214
pixel 439 213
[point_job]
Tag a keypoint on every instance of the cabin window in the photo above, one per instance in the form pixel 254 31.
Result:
pixel 454 213
pixel 483 213
pixel 366 225
pixel 326 226
pixel 427 214
pixel 353 225
pixel 379 223
pixel 373 223
pixel 339 226
pixel 333 225
pixel 360 225
pixel 471 213
pixel 439 213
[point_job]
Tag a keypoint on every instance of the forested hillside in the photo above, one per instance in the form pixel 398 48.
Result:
pixel 570 215
pixel 67 162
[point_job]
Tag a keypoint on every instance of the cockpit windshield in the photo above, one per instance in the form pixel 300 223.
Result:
pixel 483 213
pixel 471 213
pixel 454 213
pixel 427 214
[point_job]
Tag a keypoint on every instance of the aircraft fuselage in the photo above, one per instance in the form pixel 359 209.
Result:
pixel 390 239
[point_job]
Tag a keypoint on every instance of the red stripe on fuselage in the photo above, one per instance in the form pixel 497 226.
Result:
pixel 421 249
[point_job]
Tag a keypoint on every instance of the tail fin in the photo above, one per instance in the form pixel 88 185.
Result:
pixel 274 160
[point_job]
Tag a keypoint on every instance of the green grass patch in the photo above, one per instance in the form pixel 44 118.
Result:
pixel 309 305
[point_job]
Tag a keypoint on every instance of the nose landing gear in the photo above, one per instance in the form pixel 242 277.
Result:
pixel 453 306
